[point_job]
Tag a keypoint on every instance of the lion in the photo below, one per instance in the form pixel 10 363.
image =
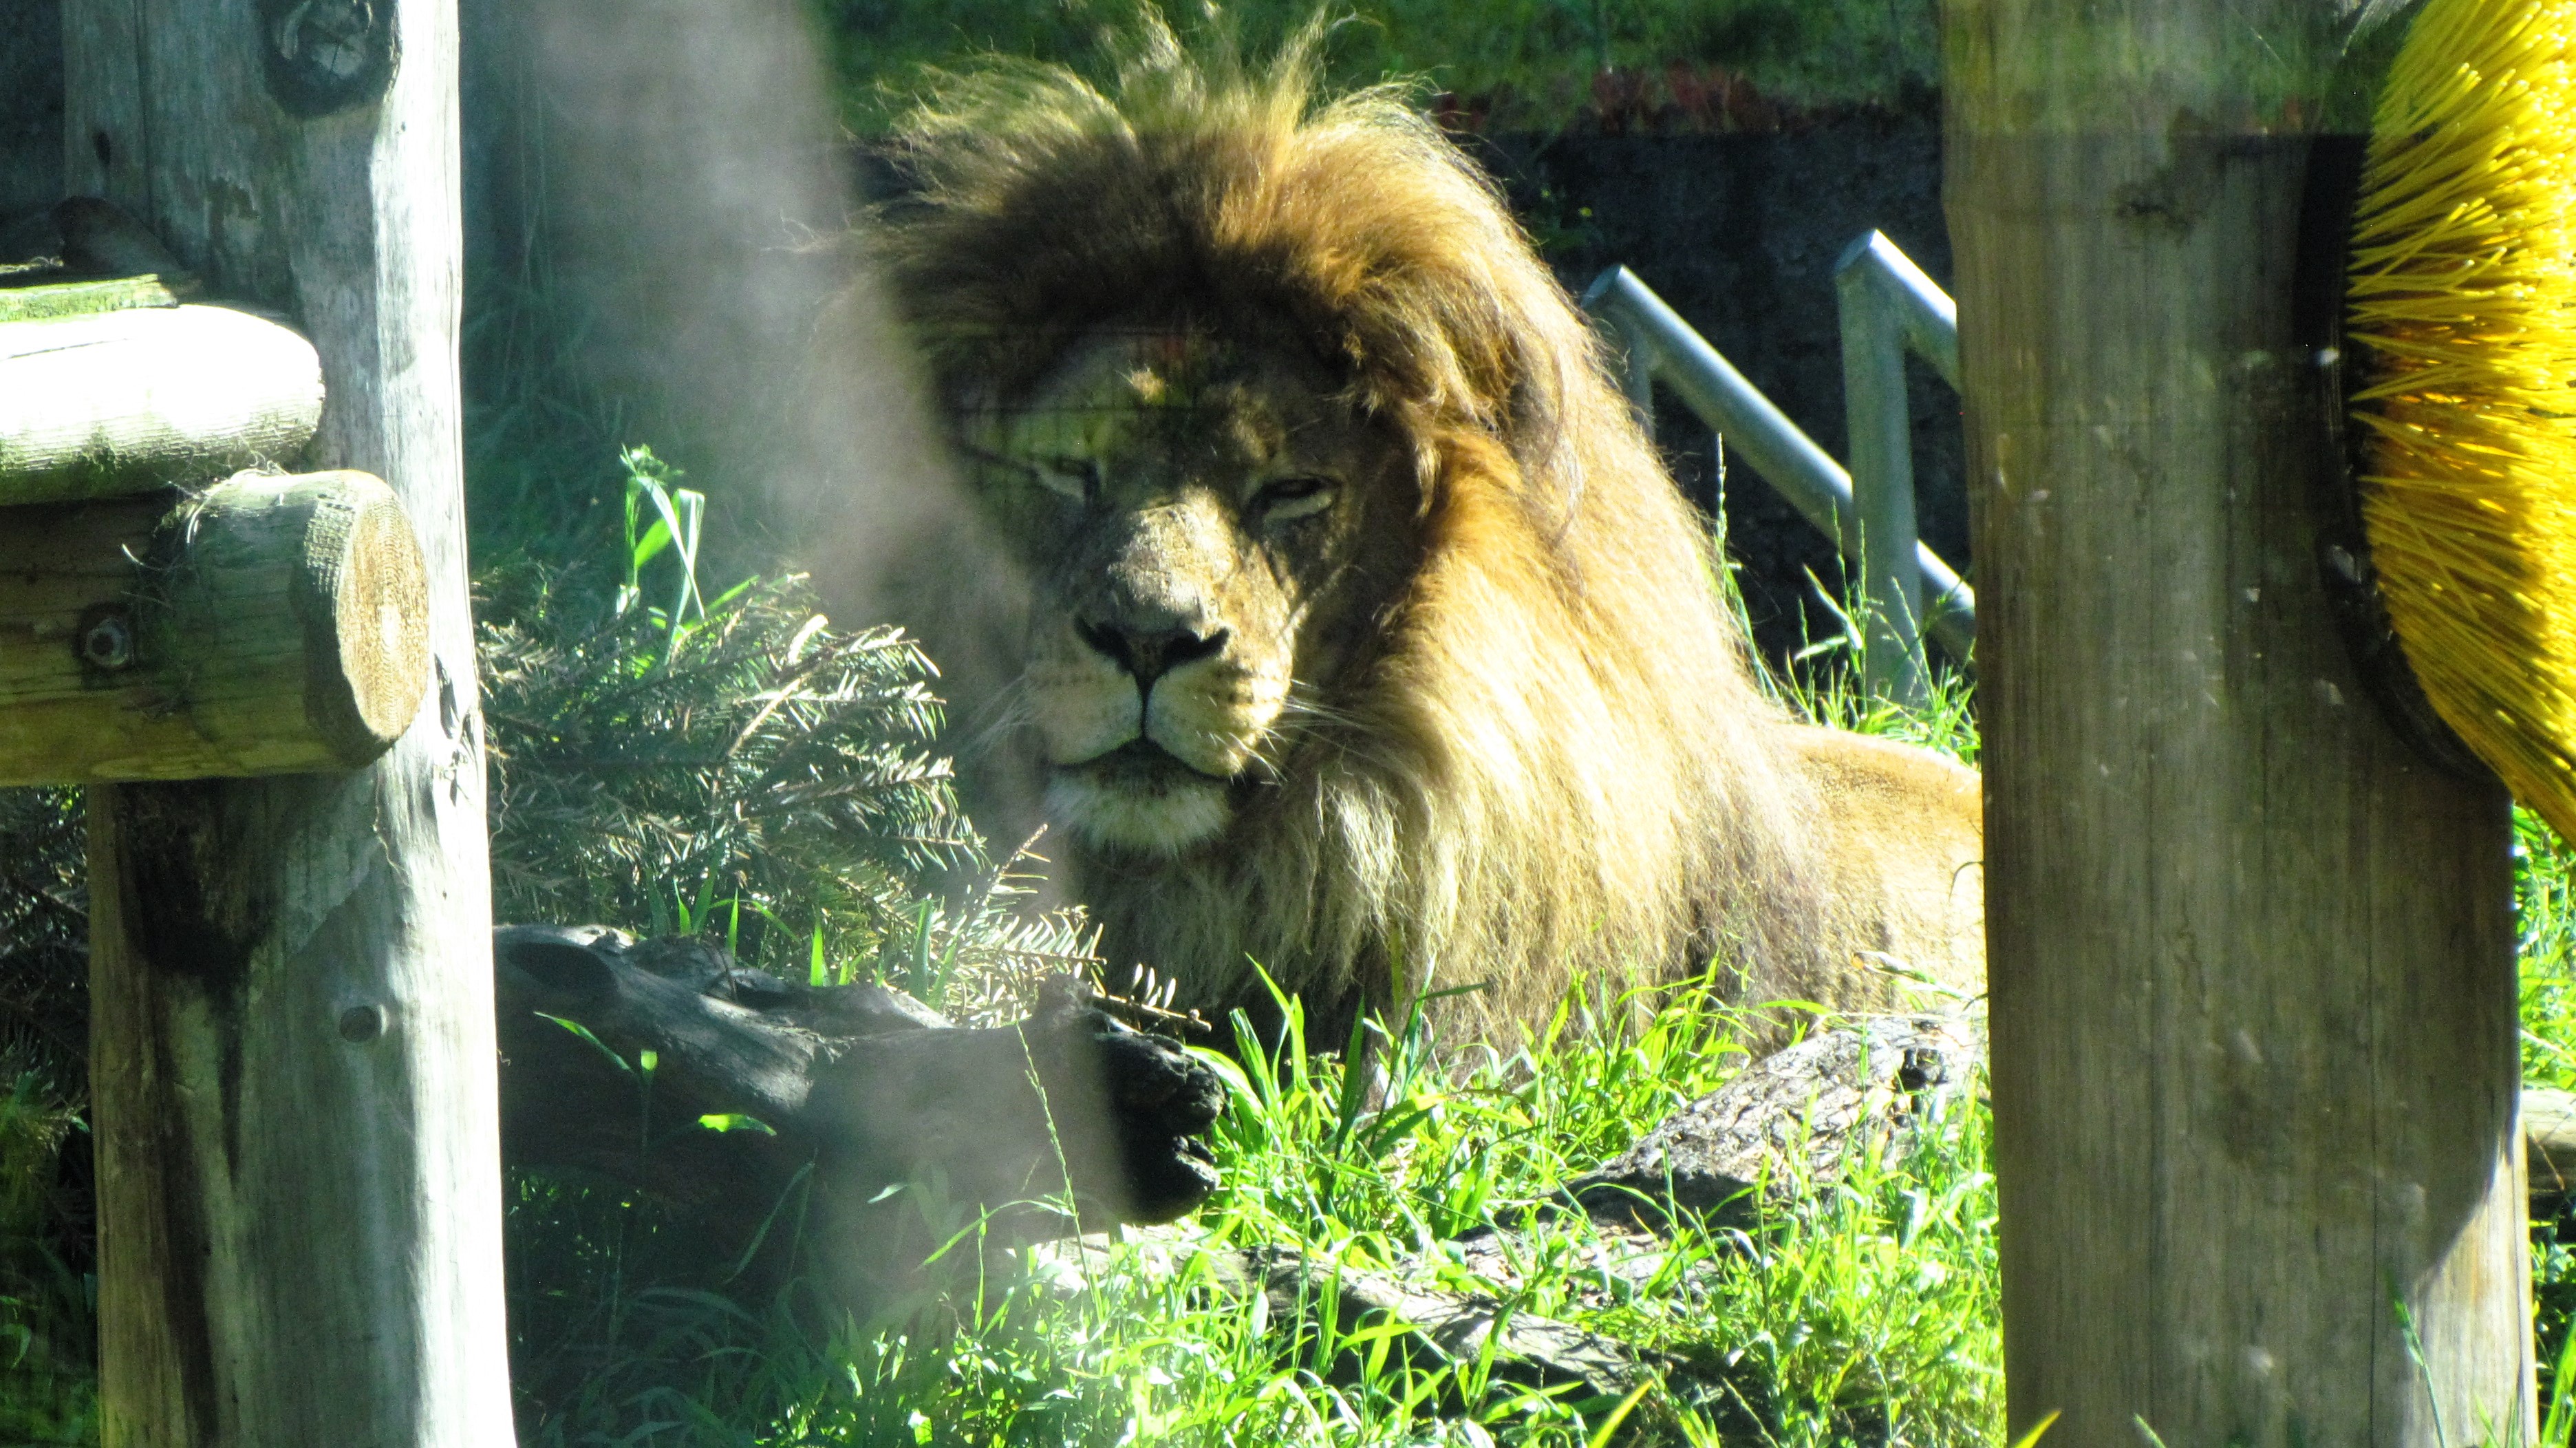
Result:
pixel 1362 644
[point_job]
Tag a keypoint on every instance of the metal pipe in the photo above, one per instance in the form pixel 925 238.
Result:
pixel 1884 589
pixel 1929 318
pixel 1803 473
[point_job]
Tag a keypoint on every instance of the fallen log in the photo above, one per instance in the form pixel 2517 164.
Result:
pixel 1317 1308
pixel 1790 1125
pixel 668 1068
pixel 1444 1329
pixel 2549 1136
pixel 1794 1121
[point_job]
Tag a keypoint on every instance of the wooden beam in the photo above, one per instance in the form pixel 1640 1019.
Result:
pixel 2549 1137
pixel 2252 960
pixel 292 1044
pixel 125 400
pixel 272 625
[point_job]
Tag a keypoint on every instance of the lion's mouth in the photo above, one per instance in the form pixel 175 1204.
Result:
pixel 1140 799
pixel 1140 763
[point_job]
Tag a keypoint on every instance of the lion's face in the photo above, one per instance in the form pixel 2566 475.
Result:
pixel 1214 536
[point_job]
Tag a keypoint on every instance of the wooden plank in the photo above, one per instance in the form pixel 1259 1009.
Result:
pixel 133 398
pixel 273 625
pixel 2252 961
pixel 299 1179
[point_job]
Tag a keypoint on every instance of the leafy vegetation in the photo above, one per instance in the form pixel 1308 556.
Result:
pixel 47 1393
pixel 2545 905
pixel 674 763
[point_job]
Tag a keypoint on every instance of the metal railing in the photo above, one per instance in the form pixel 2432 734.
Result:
pixel 1888 306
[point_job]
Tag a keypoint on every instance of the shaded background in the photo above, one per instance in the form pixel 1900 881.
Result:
pixel 1727 151
pixel 1728 157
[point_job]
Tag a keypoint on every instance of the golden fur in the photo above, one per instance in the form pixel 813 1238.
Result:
pixel 1478 716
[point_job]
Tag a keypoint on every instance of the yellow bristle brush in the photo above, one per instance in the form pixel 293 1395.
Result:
pixel 2458 329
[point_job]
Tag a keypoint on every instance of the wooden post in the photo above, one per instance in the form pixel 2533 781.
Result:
pixel 292 1037
pixel 2252 960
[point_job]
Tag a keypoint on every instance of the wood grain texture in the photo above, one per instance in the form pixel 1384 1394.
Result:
pixel 271 625
pixel 131 398
pixel 2252 962
pixel 299 1179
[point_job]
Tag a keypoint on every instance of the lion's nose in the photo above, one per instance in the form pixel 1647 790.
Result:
pixel 1148 654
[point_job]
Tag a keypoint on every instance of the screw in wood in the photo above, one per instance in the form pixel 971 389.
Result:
pixel 107 642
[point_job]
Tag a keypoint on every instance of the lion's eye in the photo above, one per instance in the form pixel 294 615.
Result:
pixel 1293 498
pixel 1075 478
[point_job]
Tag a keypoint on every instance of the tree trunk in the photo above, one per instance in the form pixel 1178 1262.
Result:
pixel 2252 960
pixel 297 1126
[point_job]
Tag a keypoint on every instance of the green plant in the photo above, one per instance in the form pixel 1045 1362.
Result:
pixel 671 761
pixel 1866 1316
pixel 2545 915
pixel 47 1290
pixel 47 1296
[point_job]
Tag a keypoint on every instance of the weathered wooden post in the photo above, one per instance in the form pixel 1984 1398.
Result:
pixel 2253 975
pixel 292 1041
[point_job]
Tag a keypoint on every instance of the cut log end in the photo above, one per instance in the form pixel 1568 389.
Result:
pixel 367 592
pixel 340 550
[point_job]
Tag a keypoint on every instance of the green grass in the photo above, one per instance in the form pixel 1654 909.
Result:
pixel 2545 903
pixel 1869 1317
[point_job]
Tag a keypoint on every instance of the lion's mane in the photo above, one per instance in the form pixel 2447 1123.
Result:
pixel 1562 758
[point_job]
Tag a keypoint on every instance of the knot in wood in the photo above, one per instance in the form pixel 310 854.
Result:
pixel 323 56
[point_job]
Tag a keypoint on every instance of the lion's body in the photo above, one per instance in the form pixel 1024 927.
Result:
pixel 1367 638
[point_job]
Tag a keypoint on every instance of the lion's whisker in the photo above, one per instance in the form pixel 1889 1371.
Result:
pixel 1010 708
